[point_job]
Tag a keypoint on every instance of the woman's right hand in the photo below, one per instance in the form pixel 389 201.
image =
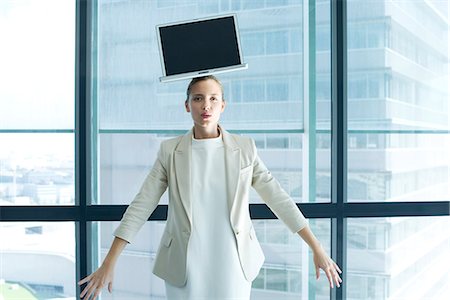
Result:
pixel 97 281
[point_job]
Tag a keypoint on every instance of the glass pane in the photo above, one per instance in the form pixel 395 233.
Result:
pixel 398 101
pixel 126 159
pixel 130 96
pixel 398 167
pixel 37 60
pixel 398 68
pixel 323 65
pixel 288 272
pixel 321 188
pixel 37 261
pixel 267 96
pixel 323 168
pixel 137 259
pixel 282 155
pixel 398 258
pixel 37 169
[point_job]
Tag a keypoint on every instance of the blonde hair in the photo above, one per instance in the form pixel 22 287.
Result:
pixel 202 78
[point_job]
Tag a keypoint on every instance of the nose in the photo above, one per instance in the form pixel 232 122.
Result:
pixel 207 104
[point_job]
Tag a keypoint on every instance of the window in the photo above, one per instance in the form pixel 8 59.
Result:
pixel 281 275
pixel 135 113
pixel 67 171
pixel 138 256
pixel 37 116
pixel 32 254
pixel 37 149
pixel 391 263
pixel 398 145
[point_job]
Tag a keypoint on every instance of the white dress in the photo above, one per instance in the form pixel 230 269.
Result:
pixel 213 267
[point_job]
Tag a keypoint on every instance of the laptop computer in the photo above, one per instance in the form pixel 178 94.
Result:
pixel 199 47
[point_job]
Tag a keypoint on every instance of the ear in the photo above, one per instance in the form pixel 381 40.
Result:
pixel 186 105
pixel 224 103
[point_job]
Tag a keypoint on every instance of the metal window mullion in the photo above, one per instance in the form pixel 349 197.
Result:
pixel 339 136
pixel 82 138
pixel 258 211
pixel 94 138
pixel 309 136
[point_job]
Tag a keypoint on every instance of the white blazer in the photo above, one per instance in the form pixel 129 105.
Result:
pixel 172 169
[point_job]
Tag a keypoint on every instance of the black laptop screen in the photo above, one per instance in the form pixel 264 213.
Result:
pixel 199 45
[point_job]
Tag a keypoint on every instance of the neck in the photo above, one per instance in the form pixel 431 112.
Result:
pixel 206 133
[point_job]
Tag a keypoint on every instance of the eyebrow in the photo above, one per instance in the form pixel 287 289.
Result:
pixel 204 94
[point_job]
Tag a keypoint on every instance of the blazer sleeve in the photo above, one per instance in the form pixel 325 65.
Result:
pixel 270 190
pixel 145 202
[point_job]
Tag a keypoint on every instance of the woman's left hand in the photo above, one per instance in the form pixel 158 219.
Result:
pixel 331 269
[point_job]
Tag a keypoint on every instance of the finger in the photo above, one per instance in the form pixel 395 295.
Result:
pixel 110 287
pixel 86 293
pixel 83 292
pixel 86 289
pixel 340 279
pixel 337 268
pixel 336 272
pixel 84 280
pixel 317 272
pixel 88 296
pixel 93 289
pixel 97 292
pixel 330 277
pixel 337 280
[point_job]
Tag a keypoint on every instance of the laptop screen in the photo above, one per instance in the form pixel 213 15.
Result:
pixel 200 46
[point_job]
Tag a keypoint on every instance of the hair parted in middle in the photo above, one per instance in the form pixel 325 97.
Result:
pixel 203 78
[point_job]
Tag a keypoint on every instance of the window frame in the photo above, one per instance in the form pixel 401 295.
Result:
pixel 83 213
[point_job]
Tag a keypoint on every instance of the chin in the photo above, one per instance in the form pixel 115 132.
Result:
pixel 202 124
pixel 206 122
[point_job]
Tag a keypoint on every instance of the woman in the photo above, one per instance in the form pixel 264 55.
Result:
pixel 209 248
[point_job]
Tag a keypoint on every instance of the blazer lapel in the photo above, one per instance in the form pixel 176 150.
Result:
pixel 183 171
pixel 183 159
pixel 232 166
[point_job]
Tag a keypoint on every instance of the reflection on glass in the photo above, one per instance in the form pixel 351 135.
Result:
pixel 37 260
pixel 124 168
pixel 133 277
pixel 322 94
pixel 37 169
pixel 397 68
pixel 268 95
pixel 398 167
pixel 288 272
pixel 37 60
pixel 398 258
pixel 323 167
pixel 398 101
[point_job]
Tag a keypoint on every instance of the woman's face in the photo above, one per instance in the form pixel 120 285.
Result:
pixel 205 103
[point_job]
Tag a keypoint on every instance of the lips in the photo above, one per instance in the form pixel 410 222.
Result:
pixel 206 115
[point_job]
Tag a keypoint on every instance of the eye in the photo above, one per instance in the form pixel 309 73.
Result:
pixel 214 99
pixel 197 98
